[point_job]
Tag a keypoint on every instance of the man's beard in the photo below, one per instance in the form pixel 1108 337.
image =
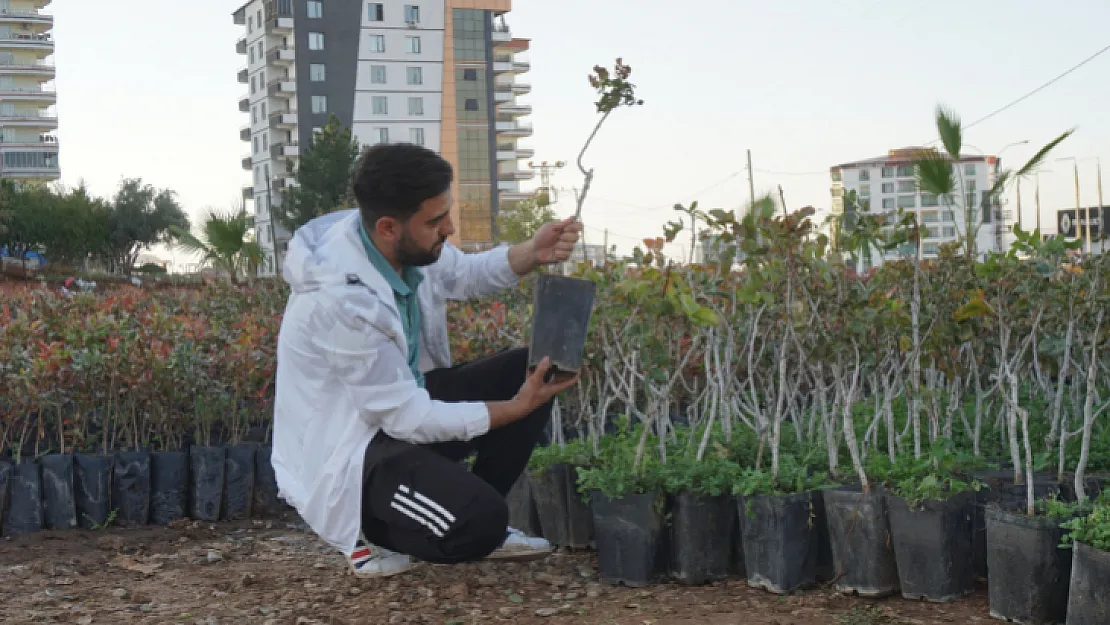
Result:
pixel 409 254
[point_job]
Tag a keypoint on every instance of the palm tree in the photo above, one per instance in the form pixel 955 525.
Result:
pixel 225 242
pixel 937 175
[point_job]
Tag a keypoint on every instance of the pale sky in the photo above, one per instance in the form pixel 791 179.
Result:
pixel 148 89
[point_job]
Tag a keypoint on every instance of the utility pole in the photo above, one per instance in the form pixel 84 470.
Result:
pixel 751 182
pixel 605 241
pixel 1019 203
pixel 1087 228
pixel 546 170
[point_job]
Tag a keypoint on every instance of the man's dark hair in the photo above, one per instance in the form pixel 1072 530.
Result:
pixel 394 179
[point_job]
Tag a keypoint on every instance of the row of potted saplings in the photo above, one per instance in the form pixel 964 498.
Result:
pixel 130 488
pixel 874 544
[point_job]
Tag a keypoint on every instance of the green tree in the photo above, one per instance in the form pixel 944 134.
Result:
pixel 140 216
pixel 225 242
pixel 519 221
pixel 323 177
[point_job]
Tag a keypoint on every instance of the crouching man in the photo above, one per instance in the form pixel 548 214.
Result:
pixel 371 419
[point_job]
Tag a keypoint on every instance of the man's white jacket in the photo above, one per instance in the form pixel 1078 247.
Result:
pixel 342 370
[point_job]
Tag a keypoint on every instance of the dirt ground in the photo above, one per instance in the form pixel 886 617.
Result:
pixel 274 572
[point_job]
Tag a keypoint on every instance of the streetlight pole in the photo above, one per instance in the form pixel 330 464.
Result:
pixel 1086 233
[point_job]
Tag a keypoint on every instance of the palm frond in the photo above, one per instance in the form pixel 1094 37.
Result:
pixel 950 130
pixel 187 241
pixel 1038 158
pixel 935 174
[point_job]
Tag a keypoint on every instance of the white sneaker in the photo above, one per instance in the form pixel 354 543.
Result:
pixel 371 561
pixel 520 547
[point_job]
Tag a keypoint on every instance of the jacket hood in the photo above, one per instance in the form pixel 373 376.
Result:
pixel 316 255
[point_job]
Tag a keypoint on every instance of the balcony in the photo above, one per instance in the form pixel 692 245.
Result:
pixel 281 184
pixel 515 196
pixel 46 172
pixel 515 109
pixel 241 46
pixel 282 88
pixel 28 120
pixel 245 133
pixel 240 17
pixel 39 22
pixel 526 174
pixel 279 26
pixel 28 94
pixel 27 41
pixel 283 120
pixel 242 76
pixel 285 150
pixel 501 33
pixel 510 152
pixel 245 104
pixel 43 144
pixel 281 55
pixel 247 164
pixel 514 129
pixel 248 193
pixel 40 69
pixel 503 95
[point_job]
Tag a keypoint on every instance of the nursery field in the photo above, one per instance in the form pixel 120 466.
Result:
pixel 245 573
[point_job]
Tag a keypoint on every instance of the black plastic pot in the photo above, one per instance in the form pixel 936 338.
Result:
pixel 701 537
pixel 92 486
pixel 239 484
pixel 1030 573
pixel 5 481
pixel 1000 490
pixel 1088 601
pixel 560 321
pixel 628 533
pixel 780 541
pixel 266 500
pixel 59 507
pixel 565 519
pixel 131 488
pixel 823 568
pixel 932 546
pixel 862 548
pixel 169 485
pixel 522 511
pixel 206 491
pixel 24 513
pixel 736 560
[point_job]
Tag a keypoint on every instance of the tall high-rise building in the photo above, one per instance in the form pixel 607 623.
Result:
pixel 888 183
pixel 27 117
pixel 438 73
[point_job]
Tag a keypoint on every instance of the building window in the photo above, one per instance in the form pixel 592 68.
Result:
pixel 949 232
pixel 416 136
pixel 930 249
pixel 259 19
pixel 315 41
pixel 255 141
pixel 263 110
pixel 412 14
pixel 969 169
pixel 907 201
pixel 261 53
pixel 377 74
pixel 888 187
pixel 971 186
pixel 949 216
pixel 888 172
pixel 907 186
pixel 317 130
pixel 415 75
pixel 317 72
pixel 376 11
pixel 315 9
pixel 379 105
pixel 250 24
pixel 930 217
pixel 254 114
pixel 928 199
pixel 416 106
pixel 470 74
pixel 865 190
pixel 471 104
pixel 254 87
pixel 265 142
pixel 319 104
pixel 905 171
pixel 377 43
pixel 252 54
pixel 381 135
pixel 864 175
pixel 412 45
pixel 888 202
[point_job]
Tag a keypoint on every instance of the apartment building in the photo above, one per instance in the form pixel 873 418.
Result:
pixel 28 145
pixel 888 183
pixel 438 73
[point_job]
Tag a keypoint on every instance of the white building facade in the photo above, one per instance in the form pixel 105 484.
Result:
pixel 394 71
pixel 28 121
pixel 887 184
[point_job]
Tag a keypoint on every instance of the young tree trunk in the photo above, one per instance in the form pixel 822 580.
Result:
pixel 1089 413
